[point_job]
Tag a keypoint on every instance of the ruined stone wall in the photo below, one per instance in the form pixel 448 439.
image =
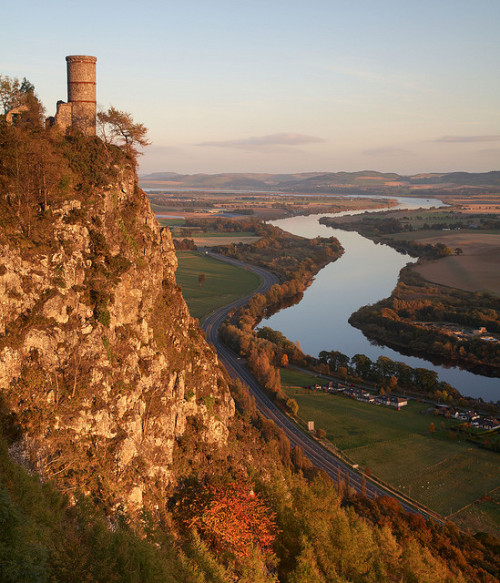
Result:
pixel 63 118
pixel 14 112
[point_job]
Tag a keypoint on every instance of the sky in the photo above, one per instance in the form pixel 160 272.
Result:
pixel 280 86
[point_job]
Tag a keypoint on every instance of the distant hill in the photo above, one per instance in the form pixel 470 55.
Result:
pixel 460 178
pixel 325 182
pixel 225 181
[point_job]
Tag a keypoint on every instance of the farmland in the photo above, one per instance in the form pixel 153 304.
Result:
pixel 473 238
pixel 214 239
pixel 223 282
pixel 476 269
pixel 431 463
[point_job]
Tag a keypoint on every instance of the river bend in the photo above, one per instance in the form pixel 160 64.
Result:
pixel 365 274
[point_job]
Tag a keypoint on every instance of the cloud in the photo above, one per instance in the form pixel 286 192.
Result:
pixel 468 139
pixel 255 142
pixel 162 150
pixel 492 151
pixel 388 151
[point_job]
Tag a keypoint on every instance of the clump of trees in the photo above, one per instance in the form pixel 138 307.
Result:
pixel 14 93
pixel 414 318
pixel 463 551
pixel 289 256
pixel 389 375
pixel 266 349
pixel 414 249
pixel 184 244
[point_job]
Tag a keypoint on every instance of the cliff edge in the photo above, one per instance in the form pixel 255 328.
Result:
pixel 101 366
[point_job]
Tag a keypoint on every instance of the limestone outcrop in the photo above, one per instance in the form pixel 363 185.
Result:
pixel 101 367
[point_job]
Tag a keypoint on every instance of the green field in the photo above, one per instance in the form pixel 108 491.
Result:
pixel 224 282
pixel 228 235
pixel 350 424
pixel 445 476
pixel 435 468
pixel 483 515
pixel 167 222
pixel 293 378
pixel 430 234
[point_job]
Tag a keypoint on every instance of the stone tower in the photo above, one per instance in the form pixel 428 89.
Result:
pixel 80 111
pixel 82 92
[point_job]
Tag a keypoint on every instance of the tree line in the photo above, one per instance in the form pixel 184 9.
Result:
pixel 266 350
pixel 416 316
pixel 290 257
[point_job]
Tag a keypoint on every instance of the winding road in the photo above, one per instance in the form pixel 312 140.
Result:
pixel 319 456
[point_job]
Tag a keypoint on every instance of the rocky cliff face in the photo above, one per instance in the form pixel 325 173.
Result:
pixel 101 365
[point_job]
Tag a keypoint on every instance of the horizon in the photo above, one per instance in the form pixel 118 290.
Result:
pixel 364 170
pixel 277 87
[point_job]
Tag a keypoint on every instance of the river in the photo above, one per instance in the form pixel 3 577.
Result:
pixel 365 274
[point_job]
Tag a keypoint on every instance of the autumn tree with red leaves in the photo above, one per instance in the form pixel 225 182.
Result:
pixel 231 518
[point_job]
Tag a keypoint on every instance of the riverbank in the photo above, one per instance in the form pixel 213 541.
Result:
pixel 196 207
pixel 266 348
pixel 471 238
pixel 453 318
pixel 443 324
pixel 366 273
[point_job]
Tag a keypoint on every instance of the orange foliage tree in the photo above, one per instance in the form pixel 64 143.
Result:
pixel 230 518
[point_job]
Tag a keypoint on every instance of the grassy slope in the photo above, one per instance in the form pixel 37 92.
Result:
pixel 436 469
pixel 224 283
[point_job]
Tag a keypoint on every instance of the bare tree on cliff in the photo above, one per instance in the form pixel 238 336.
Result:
pixel 118 127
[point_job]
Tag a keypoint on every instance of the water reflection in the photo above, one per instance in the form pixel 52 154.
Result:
pixel 365 274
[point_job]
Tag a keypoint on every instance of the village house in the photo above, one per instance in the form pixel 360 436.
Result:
pixel 481 330
pixel 397 402
pixel 366 398
pixel 487 423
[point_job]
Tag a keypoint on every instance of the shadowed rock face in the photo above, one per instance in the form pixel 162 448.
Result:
pixel 99 359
